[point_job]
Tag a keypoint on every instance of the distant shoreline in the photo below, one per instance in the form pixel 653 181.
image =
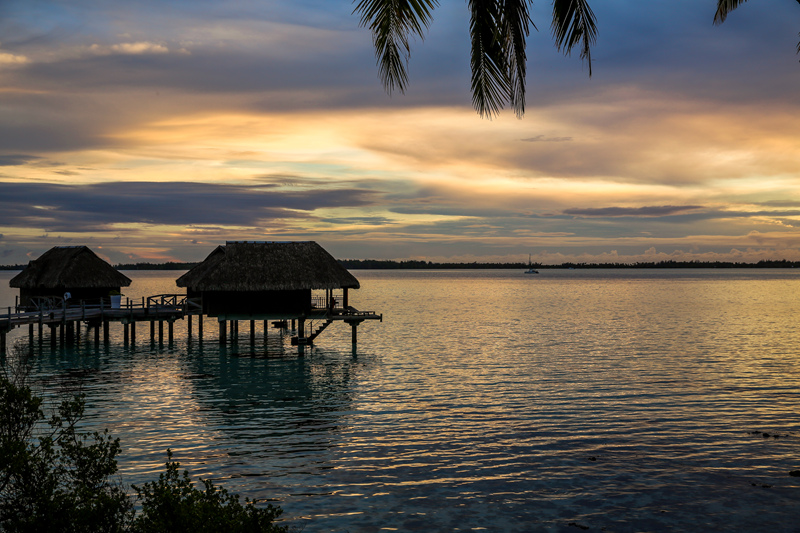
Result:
pixel 379 264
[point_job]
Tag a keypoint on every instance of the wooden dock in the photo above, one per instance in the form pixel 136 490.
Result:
pixel 64 320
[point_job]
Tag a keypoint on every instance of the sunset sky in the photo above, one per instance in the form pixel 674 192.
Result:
pixel 154 130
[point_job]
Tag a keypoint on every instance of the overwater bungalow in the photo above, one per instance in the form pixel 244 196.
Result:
pixel 72 271
pixel 244 280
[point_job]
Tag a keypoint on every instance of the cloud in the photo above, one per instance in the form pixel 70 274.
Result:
pixel 139 48
pixel 542 138
pixel 101 206
pixel 647 211
pixel 12 59
pixel 17 159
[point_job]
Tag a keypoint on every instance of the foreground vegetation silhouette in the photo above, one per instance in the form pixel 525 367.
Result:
pixel 54 478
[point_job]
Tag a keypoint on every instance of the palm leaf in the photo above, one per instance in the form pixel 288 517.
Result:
pixel 491 85
pixel 391 23
pixel 724 7
pixel 573 24
pixel 516 22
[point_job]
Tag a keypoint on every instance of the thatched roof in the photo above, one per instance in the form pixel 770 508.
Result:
pixel 268 266
pixel 71 267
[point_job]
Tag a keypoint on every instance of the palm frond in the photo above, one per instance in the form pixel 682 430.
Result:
pixel 724 7
pixel 574 23
pixel 491 85
pixel 516 24
pixel 392 22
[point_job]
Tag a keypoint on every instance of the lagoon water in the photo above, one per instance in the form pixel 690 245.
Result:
pixel 618 400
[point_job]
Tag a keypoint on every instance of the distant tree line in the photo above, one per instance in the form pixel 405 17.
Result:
pixel 155 266
pixel 382 264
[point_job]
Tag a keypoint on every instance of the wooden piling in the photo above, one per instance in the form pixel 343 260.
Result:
pixel 105 331
pixel 125 331
pixel 160 332
pixel 223 328
pixel 152 331
pixel 170 328
pixel 133 332
pixel 252 332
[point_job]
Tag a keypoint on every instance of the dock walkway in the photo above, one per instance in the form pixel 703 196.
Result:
pixel 64 320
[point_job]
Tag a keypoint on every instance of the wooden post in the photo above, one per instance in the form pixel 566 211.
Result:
pixel 354 332
pixel 345 301
pixel 160 332
pixel 61 330
pixel 125 331
pixel 301 327
pixel 53 328
pixel 97 334
pixel 189 325
pixel 252 332
pixel 223 328
pixel 133 332
pixel 152 331
pixel 77 332
pixel 105 331
pixel 2 342
pixel 30 333
pixel 170 325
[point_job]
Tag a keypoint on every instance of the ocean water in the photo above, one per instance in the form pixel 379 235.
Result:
pixel 615 400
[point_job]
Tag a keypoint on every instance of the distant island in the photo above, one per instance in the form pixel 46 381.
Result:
pixel 383 264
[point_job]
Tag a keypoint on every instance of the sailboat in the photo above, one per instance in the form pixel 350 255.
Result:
pixel 531 270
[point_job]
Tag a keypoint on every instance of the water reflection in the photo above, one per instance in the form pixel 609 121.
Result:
pixel 624 401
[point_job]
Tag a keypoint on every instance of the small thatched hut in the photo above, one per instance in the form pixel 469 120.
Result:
pixel 68 269
pixel 265 279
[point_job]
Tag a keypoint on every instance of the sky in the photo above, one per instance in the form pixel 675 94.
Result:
pixel 155 130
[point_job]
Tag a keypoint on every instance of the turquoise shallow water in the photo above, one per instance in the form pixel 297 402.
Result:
pixel 625 400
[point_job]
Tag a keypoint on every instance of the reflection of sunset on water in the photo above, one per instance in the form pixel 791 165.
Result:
pixel 612 398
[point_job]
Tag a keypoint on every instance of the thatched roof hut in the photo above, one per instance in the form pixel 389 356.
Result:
pixel 264 278
pixel 268 266
pixel 73 269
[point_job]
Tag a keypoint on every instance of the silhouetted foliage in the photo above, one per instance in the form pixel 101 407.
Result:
pixel 56 479
pixel 52 477
pixel 174 504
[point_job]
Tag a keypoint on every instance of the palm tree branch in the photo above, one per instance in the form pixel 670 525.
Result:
pixel 391 23
pixel 574 23
pixel 516 24
pixel 490 81
pixel 724 7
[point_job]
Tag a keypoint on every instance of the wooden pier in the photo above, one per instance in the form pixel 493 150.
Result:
pixel 64 321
